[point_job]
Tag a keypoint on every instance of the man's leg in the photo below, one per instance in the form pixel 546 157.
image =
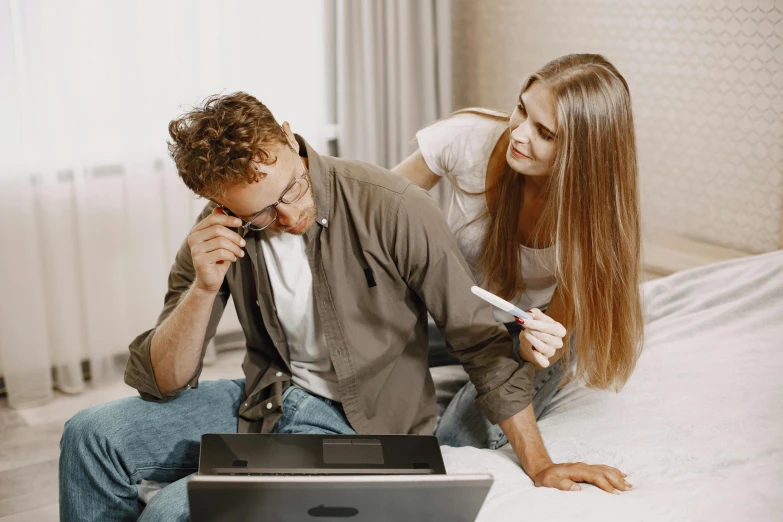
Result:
pixel 107 449
pixel 302 413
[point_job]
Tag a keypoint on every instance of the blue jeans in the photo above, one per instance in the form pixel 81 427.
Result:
pixel 107 449
pixel 462 423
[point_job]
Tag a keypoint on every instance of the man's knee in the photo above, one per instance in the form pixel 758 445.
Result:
pixel 91 427
pixel 87 425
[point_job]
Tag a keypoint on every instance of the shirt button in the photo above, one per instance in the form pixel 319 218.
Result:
pixel 279 374
pixel 187 387
pixel 269 406
pixel 245 405
pixel 324 221
pixel 258 304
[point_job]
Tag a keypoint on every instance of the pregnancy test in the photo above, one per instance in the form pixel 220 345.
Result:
pixel 500 303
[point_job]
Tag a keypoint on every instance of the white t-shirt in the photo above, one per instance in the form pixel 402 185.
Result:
pixel 292 287
pixel 461 146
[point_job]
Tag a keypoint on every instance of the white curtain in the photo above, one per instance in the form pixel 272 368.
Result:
pixel 91 208
pixel 393 75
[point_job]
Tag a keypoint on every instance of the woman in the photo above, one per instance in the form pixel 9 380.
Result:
pixel 544 205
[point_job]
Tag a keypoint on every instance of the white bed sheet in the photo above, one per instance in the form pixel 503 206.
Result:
pixel 699 426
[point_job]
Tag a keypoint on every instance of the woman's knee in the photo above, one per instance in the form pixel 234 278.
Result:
pixel 463 423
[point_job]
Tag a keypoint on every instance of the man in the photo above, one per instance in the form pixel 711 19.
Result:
pixel 332 266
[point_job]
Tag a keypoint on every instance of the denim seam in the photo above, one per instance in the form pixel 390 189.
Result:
pixel 163 467
pixel 299 404
pixel 135 476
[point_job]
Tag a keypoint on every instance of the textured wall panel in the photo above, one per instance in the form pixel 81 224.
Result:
pixel 706 79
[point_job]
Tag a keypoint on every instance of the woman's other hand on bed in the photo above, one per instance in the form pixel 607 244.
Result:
pixel 566 476
pixel 541 339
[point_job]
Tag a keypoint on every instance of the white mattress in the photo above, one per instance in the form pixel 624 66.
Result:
pixel 699 426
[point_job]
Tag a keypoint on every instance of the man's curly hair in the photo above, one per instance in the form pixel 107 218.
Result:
pixel 216 144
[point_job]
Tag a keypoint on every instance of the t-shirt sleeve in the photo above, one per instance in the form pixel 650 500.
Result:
pixel 457 141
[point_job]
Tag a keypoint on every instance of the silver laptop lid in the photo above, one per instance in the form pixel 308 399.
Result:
pixel 456 498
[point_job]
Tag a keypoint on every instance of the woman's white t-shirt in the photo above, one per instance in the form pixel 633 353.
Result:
pixel 460 146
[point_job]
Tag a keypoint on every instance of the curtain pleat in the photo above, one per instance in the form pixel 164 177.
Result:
pixel 393 75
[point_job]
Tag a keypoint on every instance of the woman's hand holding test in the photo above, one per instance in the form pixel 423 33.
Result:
pixel 541 339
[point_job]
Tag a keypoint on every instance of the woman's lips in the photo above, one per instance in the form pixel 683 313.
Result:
pixel 518 154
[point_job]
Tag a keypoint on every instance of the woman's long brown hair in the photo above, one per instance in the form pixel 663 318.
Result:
pixel 591 216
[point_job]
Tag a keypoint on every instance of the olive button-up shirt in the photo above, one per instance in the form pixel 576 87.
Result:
pixel 382 256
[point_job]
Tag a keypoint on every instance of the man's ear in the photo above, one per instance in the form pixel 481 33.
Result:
pixel 289 134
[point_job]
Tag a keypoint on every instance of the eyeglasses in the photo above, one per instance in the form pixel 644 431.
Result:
pixel 293 193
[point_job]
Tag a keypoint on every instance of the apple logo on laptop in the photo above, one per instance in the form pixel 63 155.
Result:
pixel 332 511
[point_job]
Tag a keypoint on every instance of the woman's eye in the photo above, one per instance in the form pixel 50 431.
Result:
pixel 521 108
pixel 545 135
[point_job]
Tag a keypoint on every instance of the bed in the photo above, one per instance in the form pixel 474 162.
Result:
pixel 699 426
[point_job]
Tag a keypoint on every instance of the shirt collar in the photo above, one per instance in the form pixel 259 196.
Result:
pixel 321 183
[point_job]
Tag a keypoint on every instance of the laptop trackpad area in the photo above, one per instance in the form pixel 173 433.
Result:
pixel 352 451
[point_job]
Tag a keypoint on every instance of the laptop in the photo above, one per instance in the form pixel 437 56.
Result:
pixel 297 454
pixel 367 498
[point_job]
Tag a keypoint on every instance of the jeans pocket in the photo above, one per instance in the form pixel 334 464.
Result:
pixel 287 392
pixel 293 398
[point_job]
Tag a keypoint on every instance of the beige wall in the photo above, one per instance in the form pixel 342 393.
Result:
pixel 706 80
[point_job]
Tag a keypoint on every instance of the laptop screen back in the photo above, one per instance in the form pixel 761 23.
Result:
pixel 456 498
pixel 293 454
